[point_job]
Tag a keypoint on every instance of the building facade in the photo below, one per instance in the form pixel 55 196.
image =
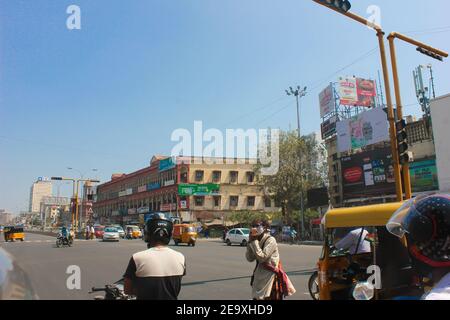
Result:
pixel 194 189
pixel 40 189
pixel 6 217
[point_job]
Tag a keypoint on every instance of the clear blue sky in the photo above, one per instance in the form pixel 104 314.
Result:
pixel 109 95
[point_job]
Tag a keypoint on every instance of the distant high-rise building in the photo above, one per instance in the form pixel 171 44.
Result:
pixel 41 188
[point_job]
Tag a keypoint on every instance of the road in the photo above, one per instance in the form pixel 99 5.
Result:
pixel 214 271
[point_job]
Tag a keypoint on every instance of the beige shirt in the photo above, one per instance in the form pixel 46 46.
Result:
pixel 263 282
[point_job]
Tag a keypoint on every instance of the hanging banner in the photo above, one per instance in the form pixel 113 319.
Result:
pixel 365 129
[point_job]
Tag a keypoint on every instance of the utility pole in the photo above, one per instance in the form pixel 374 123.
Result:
pixel 299 93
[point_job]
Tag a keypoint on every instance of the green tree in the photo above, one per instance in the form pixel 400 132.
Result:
pixel 286 185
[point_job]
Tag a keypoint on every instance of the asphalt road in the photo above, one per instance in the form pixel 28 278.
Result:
pixel 214 271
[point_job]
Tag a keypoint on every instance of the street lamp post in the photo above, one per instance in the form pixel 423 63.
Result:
pixel 299 93
pixel 392 129
pixel 435 53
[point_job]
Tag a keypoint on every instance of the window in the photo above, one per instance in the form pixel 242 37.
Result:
pixel 217 176
pixel 267 202
pixel 233 176
pixel 250 177
pixel 234 201
pixel 199 201
pixel 217 201
pixel 233 232
pixel 251 201
pixel 239 232
pixel 184 177
pixel 199 175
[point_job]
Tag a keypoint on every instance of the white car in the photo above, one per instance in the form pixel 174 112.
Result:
pixel 111 234
pixel 237 236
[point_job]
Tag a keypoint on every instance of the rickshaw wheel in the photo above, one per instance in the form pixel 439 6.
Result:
pixel 313 286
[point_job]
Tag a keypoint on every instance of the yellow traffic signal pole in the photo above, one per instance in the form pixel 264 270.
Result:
pixel 391 116
pixel 391 38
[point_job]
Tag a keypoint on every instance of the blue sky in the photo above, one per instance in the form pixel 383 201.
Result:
pixel 108 96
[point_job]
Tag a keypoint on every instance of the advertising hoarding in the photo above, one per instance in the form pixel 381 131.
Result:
pixel 168 207
pixel 198 189
pixel 368 174
pixel 365 129
pixel 357 92
pixel 328 127
pixel 327 101
pixel 424 176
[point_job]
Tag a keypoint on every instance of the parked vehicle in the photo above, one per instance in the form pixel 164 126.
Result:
pixel 98 231
pixel 111 234
pixel 237 236
pixel 184 233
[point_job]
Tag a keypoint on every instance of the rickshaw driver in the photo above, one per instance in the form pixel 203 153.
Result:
pixel 352 239
pixel 425 221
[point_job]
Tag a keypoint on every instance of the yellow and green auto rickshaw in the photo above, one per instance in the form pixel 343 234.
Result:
pixel 357 249
pixel 12 234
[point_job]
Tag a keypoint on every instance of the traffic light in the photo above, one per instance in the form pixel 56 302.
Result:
pixel 341 5
pixel 405 156
pixel 430 54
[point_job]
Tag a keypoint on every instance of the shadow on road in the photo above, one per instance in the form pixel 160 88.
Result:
pixel 291 273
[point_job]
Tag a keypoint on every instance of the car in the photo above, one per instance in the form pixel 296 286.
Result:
pixel 111 234
pixel 98 231
pixel 119 229
pixel 237 236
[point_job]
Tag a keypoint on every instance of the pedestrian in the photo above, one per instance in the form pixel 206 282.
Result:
pixel 88 232
pixel 92 233
pixel 156 273
pixel 425 222
pixel 269 281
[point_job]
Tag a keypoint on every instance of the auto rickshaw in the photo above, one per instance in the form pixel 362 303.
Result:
pixel 133 232
pixel 184 233
pixel 385 260
pixel 12 234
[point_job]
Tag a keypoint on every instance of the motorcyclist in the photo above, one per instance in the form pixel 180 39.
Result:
pixel 156 273
pixel 65 233
pixel 425 222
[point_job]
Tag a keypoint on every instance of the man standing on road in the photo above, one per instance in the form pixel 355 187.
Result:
pixel 156 273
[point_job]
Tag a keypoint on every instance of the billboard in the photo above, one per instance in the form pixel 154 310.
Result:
pixel 365 129
pixel 357 92
pixel 327 101
pixel 424 176
pixel 328 128
pixel 368 174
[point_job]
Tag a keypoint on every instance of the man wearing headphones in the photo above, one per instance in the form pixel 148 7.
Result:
pixel 156 273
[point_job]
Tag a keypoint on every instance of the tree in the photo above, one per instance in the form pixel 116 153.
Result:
pixel 286 185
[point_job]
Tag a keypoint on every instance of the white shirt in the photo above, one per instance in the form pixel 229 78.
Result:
pixel 441 290
pixel 350 241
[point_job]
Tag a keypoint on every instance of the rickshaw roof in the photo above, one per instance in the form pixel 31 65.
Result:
pixel 366 216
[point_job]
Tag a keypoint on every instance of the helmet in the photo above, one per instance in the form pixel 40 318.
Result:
pixel 158 228
pixel 425 221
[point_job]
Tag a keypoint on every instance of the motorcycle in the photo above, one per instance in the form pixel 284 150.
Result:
pixel 112 292
pixel 63 241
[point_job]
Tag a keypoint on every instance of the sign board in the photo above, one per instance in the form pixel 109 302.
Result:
pixel 327 101
pixel 167 164
pixel 153 186
pixel 198 189
pixel 168 207
pixel 143 210
pixel 132 211
pixel 183 204
pixel 142 189
pixel 365 129
pixel 368 174
pixel 328 128
pixel 169 183
pixel 424 176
